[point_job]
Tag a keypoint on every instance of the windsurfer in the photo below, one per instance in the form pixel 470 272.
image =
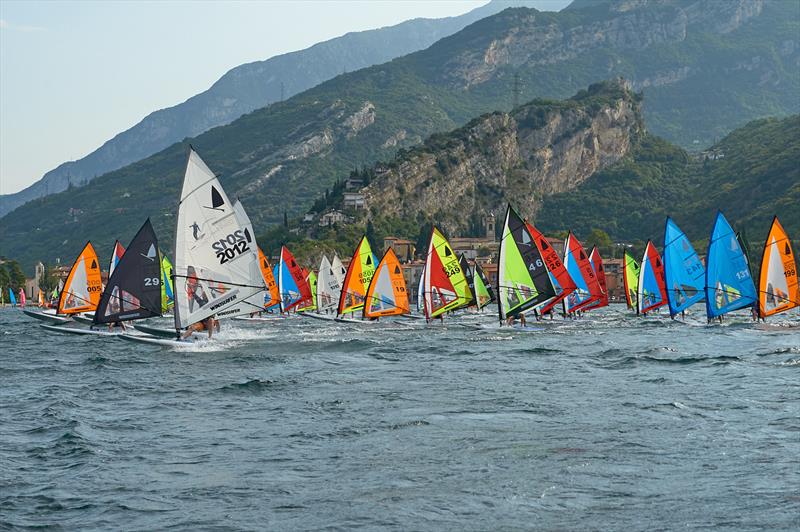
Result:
pixel 119 324
pixel 209 324
pixel 512 319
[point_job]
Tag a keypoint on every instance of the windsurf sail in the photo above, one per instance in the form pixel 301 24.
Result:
pixel 293 287
pixel 11 297
pixel 522 278
pixel 559 276
pixel 310 304
pixel 41 298
pixel 386 293
pixel 359 274
pixel 630 280
pixel 22 299
pixel 778 288
pixel 652 292
pixel 134 289
pixel 599 270
pixel 339 271
pixel 216 263
pixel 116 255
pixel 81 292
pixel 167 292
pixel 329 286
pixel 273 295
pixel 728 285
pixel 684 274
pixel 445 286
pixel 484 293
pixel 587 288
pixel 464 263
pixel 421 291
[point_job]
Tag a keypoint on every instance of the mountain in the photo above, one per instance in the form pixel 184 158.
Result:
pixel 579 164
pixel 751 175
pixel 705 67
pixel 249 87
pixel 536 150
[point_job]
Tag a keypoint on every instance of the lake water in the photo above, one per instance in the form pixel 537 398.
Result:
pixel 611 422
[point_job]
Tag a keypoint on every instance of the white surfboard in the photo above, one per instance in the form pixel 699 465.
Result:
pixel 75 330
pixel 48 316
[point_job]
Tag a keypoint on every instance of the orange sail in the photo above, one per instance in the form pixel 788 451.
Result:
pixel 387 294
pixel 359 275
pixel 84 286
pixel 778 289
pixel 273 294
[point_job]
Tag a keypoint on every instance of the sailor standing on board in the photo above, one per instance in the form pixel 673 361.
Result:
pixel 208 324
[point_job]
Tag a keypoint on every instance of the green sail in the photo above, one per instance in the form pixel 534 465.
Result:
pixel 631 280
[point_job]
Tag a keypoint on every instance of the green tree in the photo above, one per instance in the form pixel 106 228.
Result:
pixel 48 281
pixel 371 235
pixel 4 281
pixel 423 237
pixel 16 277
pixel 599 238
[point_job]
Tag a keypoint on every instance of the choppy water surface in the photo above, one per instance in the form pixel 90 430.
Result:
pixel 608 423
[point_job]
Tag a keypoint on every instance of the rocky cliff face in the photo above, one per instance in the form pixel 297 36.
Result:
pixel 540 39
pixel 539 149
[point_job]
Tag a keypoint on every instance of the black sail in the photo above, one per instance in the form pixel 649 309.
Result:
pixel 464 264
pixel 532 259
pixel 134 289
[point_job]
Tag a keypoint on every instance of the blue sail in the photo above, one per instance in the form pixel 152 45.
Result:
pixel 684 273
pixel 12 298
pixel 582 294
pixel 729 285
pixel 290 292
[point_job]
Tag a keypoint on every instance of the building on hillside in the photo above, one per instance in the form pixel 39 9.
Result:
pixel 32 285
pixel 615 284
pixel 354 200
pixel 331 218
pixel 411 273
pixel 490 269
pixel 473 247
pixel 353 183
pixel 557 244
pixel 309 216
pixel 404 249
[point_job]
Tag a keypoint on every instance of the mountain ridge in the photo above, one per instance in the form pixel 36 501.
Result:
pixel 245 88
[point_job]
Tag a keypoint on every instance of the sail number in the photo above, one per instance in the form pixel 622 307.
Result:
pixel 451 270
pixel 152 281
pixel 230 246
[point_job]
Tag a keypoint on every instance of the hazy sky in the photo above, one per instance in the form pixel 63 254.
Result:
pixel 74 74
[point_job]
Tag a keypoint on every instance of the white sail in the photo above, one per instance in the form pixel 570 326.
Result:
pixel 776 276
pixel 215 254
pixel 421 291
pixel 328 288
pixel 254 303
pixel 339 271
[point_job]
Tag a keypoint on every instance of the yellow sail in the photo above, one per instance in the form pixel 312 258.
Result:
pixel 445 285
pixel 84 286
pixel 359 275
pixel 777 286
